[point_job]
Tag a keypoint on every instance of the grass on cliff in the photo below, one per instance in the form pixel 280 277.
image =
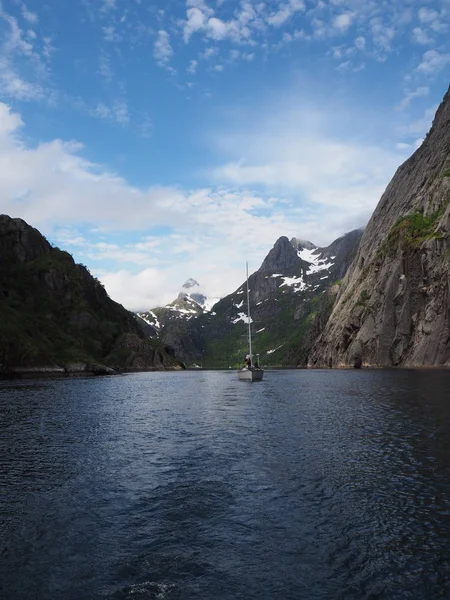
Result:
pixel 412 230
pixel 363 298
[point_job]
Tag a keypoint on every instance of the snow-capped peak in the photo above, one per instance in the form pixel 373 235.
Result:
pixel 192 290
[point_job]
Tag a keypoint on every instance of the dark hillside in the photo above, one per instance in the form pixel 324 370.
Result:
pixel 54 315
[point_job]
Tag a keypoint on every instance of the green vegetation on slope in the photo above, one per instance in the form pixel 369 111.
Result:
pixel 411 230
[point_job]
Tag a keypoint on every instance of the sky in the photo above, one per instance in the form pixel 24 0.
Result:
pixel 161 140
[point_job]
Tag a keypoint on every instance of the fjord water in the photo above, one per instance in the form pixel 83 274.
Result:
pixel 308 485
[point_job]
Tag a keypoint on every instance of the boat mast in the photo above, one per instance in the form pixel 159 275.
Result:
pixel 249 323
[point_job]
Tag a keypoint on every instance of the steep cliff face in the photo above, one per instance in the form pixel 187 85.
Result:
pixel 54 315
pixel 393 308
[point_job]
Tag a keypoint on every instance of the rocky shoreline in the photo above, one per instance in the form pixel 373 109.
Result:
pixel 74 370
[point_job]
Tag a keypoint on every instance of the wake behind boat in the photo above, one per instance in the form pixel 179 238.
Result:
pixel 251 372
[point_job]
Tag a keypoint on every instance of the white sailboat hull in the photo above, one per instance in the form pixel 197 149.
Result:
pixel 250 375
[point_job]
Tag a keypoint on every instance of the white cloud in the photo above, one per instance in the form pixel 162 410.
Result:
pixel 48 48
pixel 101 111
pixel 15 42
pixel 420 92
pixel 108 5
pixel 427 15
pixel 140 291
pixel 360 42
pixel 343 21
pixel 120 111
pixel 433 61
pixel 295 154
pixel 117 112
pixel 13 86
pixel 403 146
pixel 285 11
pixel 201 18
pixel 24 59
pixel 422 37
pixel 382 35
pixel 268 26
pixel 192 68
pixel 196 20
pixel 209 53
pixel 29 16
pixel 162 49
pixel 235 30
pixel 110 34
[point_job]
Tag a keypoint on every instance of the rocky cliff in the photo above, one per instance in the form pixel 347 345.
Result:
pixel 393 307
pixel 56 317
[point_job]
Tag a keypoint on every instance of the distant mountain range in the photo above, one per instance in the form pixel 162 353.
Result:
pixel 284 295
pixel 189 303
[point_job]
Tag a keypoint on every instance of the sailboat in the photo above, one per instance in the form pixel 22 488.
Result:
pixel 251 372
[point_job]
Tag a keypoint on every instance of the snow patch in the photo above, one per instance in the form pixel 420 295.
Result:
pixel 210 303
pixel 296 283
pixel 314 258
pixel 155 323
pixel 275 349
pixel 241 317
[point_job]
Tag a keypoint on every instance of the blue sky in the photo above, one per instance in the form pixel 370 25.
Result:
pixel 158 141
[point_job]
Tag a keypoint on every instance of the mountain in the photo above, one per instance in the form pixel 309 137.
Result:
pixel 293 281
pixel 171 323
pixel 286 293
pixel 55 317
pixel 190 302
pixel 191 289
pixel 393 307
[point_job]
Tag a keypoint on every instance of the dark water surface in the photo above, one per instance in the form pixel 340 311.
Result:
pixel 309 485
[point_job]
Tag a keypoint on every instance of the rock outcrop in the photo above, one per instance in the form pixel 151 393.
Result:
pixel 393 307
pixel 56 318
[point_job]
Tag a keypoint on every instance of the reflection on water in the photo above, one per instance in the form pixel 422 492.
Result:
pixel 309 485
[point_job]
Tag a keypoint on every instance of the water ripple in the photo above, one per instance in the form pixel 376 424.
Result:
pixel 310 485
